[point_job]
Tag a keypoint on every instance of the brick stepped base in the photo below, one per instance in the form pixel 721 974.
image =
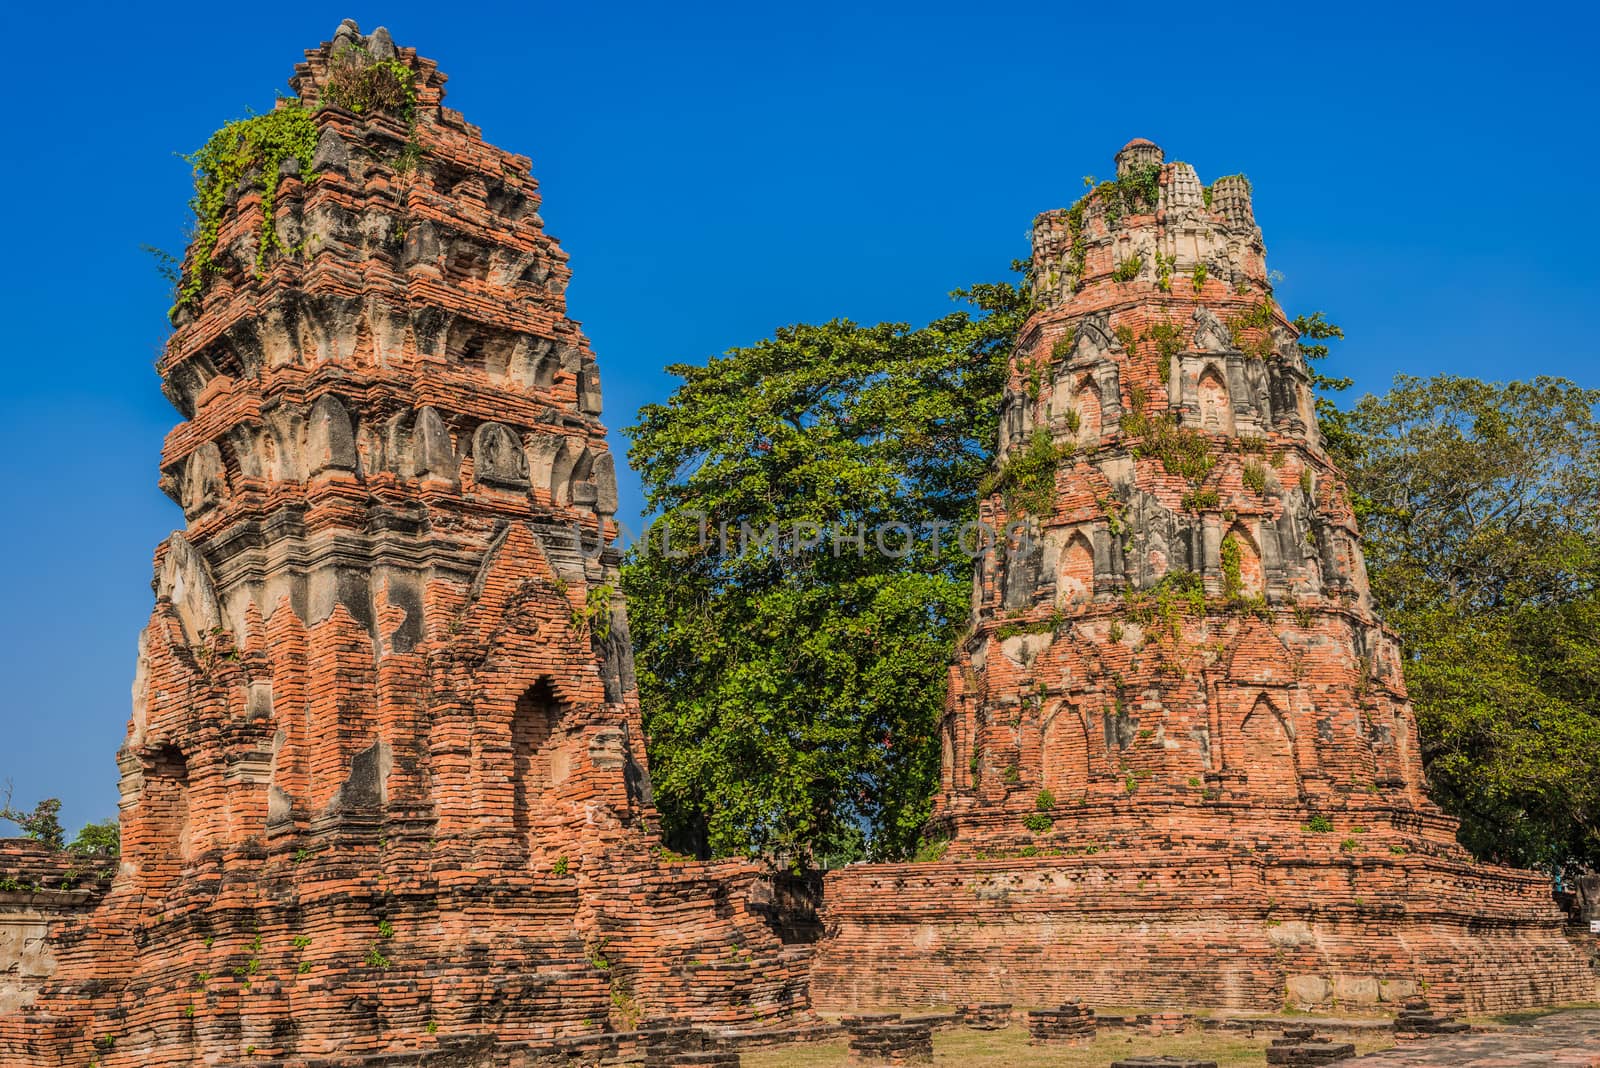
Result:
pixel 1211 924
pixel 885 1038
pixel 1301 1045
pixel 1072 1024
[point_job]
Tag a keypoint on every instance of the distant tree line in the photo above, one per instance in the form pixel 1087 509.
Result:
pixel 42 823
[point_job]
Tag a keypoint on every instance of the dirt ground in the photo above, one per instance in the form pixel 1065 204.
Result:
pixel 995 1049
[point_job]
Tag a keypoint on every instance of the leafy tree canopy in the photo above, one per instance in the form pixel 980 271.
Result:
pixel 792 693
pixel 43 824
pixel 1480 510
pixel 103 839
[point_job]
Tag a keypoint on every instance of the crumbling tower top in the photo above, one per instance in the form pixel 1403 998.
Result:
pixel 1138 153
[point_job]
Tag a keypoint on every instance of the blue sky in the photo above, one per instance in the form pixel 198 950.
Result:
pixel 1426 177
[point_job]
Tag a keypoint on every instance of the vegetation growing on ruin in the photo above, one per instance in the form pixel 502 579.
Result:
pixel 1164 268
pixel 362 83
pixel 1254 476
pixel 593 618
pixel 1251 329
pixel 1027 477
pixel 253 147
pixel 1232 562
pixel 1164 606
pixel 1183 451
pixel 1128 269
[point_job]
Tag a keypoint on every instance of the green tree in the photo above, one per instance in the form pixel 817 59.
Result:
pixel 792 693
pixel 103 839
pixel 1480 510
pixel 42 824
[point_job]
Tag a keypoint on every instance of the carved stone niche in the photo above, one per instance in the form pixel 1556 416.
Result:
pixel 432 455
pixel 589 401
pixel 1023 573
pixel 205 482
pixel 1154 542
pixel 498 459
pixel 330 441
pixel 604 477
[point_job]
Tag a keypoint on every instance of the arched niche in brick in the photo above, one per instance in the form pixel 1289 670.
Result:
pixel 164 804
pixel 1252 580
pixel 1264 751
pixel 1086 403
pixel 1075 573
pixel 1216 409
pixel 536 765
pixel 1064 754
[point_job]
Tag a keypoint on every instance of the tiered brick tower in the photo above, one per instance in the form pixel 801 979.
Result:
pixel 384 783
pixel 1179 759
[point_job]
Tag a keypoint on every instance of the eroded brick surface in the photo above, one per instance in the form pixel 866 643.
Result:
pixel 39 885
pixel 1179 760
pixel 384 783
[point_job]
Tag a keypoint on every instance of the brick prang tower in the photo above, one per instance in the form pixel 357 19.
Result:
pixel 1179 762
pixel 1190 621
pixel 384 786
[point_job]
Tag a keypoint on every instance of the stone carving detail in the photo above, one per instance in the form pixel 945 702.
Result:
pixel 1209 333
pixel 205 482
pixel 432 453
pixel 330 443
pixel 498 459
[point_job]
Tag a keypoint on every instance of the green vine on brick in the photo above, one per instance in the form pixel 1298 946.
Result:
pixel 595 615
pixel 1128 269
pixel 358 82
pixel 262 143
pixel 1198 275
pixel 1168 338
pixel 1252 330
pixel 1166 603
pixel 1232 565
pixel 1034 372
pixel 1140 189
pixel 1255 476
pixel 1028 475
pixel 1182 451
pixel 1164 267
pixel 1062 349
pixel 1048 625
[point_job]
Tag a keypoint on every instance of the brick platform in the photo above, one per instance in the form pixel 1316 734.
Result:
pixel 1179 762
pixel 385 781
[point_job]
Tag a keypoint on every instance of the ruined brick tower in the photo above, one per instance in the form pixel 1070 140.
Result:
pixel 1179 763
pixel 384 785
